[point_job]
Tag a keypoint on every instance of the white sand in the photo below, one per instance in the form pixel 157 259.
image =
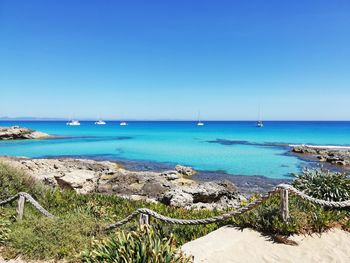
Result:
pixel 229 244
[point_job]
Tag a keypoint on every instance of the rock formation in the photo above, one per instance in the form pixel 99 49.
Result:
pixel 185 170
pixel 332 156
pixel 19 133
pixel 169 187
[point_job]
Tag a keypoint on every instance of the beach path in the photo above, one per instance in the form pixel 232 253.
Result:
pixel 229 244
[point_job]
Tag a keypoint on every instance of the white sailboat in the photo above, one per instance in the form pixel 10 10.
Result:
pixel 73 123
pixel 123 123
pixel 199 123
pixel 100 122
pixel 259 123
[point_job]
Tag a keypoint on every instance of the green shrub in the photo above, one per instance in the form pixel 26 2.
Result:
pixel 45 238
pixel 13 181
pixel 4 230
pixel 305 217
pixel 267 218
pixel 79 219
pixel 323 184
pixel 143 245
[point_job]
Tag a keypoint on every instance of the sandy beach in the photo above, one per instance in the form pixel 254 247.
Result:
pixel 232 245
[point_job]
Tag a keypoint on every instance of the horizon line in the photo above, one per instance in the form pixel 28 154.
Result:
pixel 2 119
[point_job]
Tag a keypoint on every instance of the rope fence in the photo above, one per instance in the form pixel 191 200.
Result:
pixel 145 213
pixel 22 197
pixel 283 189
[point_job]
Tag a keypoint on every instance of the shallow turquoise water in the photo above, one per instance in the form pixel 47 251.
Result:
pixel 234 147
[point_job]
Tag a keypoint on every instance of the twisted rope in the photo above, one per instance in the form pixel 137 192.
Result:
pixel 31 200
pixel 38 207
pixel 231 214
pixel 332 204
pixel 9 200
pixel 203 221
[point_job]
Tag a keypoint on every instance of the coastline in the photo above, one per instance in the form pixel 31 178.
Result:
pixel 325 147
pixel 335 158
pixel 245 184
pixel 174 187
pixel 163 183
pixel 244 151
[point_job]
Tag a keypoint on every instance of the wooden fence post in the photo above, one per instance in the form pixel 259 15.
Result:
pixel 20 208
pixel 284 205
pixel 144 219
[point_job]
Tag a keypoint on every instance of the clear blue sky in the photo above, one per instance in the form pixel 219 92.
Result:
pixel 169 59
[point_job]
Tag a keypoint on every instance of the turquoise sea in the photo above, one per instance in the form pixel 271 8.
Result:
pixel 237 148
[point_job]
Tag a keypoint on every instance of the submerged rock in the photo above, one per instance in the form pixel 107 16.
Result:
pixel 18 133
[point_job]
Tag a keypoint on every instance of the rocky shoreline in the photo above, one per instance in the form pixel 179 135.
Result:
pixel 19 133
pixel 336 156
pixel 172 187
pixel 181 187
pixel 247 185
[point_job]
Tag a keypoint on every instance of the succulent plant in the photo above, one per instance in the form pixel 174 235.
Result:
pixel 143 245
pixel 323 184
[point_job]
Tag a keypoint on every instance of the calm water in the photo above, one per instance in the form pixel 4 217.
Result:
pixel 234 147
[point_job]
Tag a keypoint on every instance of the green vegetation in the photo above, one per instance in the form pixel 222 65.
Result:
pixel 323 184
pixel 4 231
pixel 144 245
pixel 77 231
pixel 79 219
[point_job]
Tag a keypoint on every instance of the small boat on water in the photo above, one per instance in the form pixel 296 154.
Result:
pixel 199 123
pixel 73 123
pixel 259 123
pixel 123 123
pixel 100 122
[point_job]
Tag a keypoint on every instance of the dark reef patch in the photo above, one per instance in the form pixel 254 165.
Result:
pixel 239 142
pixel 230 142
pixel 94 138
pixel 79 139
